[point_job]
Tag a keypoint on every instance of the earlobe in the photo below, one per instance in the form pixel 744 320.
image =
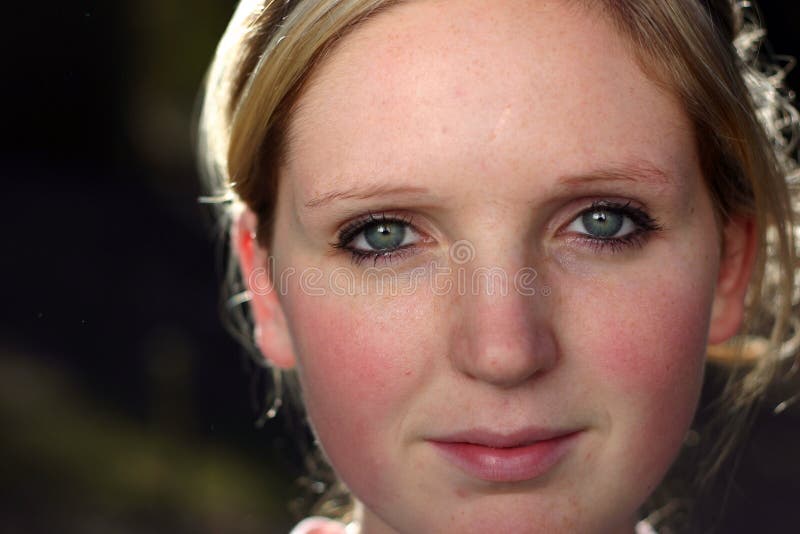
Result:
pixel 271 332
pixel 739 251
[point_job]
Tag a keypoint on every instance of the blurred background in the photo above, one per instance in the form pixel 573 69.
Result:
pixel 124 405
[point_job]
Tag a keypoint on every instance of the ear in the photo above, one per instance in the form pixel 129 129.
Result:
pixel 739 247
pixel 270 329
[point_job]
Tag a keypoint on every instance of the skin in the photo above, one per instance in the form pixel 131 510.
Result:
pixel 497 116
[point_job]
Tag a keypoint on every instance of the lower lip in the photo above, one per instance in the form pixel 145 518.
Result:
pixel 511 464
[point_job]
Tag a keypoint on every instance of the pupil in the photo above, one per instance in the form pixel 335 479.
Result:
pixel 602 223
pixel 385 236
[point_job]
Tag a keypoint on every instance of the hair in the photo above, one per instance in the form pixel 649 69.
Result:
pixel 707 52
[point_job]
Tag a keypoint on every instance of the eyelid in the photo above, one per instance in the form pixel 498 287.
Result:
pixel 352 228
pixel 578 207
pixel 645 226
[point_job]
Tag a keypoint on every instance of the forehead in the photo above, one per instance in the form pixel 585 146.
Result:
pixel 470 88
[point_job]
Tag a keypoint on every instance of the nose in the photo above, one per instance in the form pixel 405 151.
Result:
pixel 503 339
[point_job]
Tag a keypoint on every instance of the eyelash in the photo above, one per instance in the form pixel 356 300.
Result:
pixel 645 226
pixel 351 230
pixel 644 223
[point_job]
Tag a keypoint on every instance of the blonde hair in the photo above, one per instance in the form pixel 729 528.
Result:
pixel 746 130
pixel 705 51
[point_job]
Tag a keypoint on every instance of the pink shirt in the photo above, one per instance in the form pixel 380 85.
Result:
pixel 321 525
pixel 318 525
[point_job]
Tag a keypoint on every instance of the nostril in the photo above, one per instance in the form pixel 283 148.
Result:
pixel 502 340
pixel 507 365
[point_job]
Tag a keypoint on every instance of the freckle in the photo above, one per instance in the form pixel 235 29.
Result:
pixel 572 500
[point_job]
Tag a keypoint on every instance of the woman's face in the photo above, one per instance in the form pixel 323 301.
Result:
pixel 490 141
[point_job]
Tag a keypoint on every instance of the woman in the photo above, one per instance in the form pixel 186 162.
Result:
pixel 602 165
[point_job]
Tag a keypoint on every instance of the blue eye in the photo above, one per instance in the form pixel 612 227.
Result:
pixel 603 223
pixel 614 225
pixel 377 236
pixel 384 235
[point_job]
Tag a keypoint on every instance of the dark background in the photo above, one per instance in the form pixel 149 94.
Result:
pixel 124 405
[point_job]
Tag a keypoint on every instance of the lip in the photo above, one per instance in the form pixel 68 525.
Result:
pixel 493 457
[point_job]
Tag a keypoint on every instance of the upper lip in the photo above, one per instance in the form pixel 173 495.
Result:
pixel 503 440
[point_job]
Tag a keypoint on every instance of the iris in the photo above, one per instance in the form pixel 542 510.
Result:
pixel 385 235
pixel 602 223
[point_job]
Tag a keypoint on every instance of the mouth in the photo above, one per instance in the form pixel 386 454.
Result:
pixel 493 457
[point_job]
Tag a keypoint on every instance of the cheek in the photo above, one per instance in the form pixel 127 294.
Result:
pixel 642 354
pixel 653 338
pixel 360 365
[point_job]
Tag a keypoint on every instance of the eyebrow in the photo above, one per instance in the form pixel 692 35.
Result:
pixel 360 192
pixel 639 171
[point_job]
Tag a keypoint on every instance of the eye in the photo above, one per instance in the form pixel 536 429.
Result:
pixel 377 236
pixel 602 223
pixel 382 236
pixel 613 224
